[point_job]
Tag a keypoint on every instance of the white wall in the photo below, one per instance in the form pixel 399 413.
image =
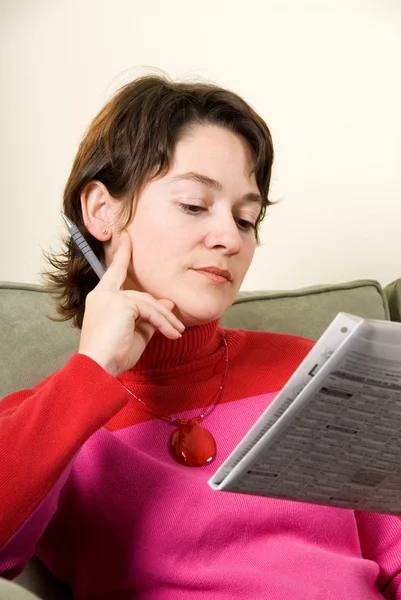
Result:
pixel 324 74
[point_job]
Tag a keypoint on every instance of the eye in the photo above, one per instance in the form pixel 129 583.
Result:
pixel 192 209
pixel 245 225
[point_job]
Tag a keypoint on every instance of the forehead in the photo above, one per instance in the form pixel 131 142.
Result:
pixel 215 152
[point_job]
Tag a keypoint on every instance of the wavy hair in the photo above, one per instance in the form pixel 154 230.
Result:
pixel 131 141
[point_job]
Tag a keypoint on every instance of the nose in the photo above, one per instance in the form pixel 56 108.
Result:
pixel 223 233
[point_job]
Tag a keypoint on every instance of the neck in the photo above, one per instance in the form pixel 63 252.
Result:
pixel 196 343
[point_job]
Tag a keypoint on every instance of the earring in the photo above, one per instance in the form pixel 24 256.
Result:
pixel 104 231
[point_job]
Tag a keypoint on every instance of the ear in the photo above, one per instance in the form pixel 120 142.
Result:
pixel 98 210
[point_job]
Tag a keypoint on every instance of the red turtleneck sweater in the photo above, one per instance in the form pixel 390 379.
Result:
pixel 88 484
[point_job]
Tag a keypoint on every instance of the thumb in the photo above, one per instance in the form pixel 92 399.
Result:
pixel 116 273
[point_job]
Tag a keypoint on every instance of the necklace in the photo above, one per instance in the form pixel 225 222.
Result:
pixel 191 444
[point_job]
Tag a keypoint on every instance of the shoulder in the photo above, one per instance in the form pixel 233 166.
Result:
pixel 263 354
pixel 285 339
pixel 267 342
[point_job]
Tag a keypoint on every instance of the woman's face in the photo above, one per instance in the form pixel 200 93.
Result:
pixel 201 214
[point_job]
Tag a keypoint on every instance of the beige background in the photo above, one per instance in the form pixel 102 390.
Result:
pixel 324 74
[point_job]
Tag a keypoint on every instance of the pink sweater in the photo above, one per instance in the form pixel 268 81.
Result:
pixel 88 484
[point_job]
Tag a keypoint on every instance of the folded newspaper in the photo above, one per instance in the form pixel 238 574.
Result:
pixel 333 434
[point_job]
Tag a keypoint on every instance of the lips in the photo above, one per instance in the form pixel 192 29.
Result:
pixel 216 271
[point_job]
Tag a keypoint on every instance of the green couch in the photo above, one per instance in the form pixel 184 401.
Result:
pixel 34 346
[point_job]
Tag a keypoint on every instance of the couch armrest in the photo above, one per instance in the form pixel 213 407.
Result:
pixel 393 293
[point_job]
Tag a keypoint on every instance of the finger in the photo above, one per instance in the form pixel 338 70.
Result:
pixel 116 273
pixel 169 303
pixel 161 323
pixel 146 313
pixel 162 306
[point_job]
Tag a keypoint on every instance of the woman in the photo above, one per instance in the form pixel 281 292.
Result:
pixel 108 480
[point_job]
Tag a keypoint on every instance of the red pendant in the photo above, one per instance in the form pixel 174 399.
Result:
pixel 191 444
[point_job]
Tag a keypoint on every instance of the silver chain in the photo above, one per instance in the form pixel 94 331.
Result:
pixel 207 410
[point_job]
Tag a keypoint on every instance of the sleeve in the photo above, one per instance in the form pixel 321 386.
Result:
pixel 41 431
pixel 380 539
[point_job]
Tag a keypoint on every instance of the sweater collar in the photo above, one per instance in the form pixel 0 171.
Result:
pixel 195 344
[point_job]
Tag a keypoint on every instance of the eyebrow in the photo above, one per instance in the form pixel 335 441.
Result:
pixel 216 185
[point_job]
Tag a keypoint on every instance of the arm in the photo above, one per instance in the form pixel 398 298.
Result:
pixel 380 539
pixel 41 430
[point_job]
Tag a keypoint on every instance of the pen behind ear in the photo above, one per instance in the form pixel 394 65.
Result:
pixel 83 246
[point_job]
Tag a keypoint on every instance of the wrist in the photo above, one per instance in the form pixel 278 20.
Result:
pixel 101 361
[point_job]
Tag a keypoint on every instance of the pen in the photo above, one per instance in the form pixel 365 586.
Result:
pixel 83 245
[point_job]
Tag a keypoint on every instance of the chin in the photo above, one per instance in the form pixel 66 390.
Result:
pixel 196 314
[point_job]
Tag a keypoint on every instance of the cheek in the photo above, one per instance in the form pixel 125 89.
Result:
pixel 248 253
pixel 155 257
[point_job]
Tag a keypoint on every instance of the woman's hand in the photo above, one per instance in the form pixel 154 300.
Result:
pixel 118 324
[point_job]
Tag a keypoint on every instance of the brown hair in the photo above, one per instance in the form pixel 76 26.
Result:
pixel 131 141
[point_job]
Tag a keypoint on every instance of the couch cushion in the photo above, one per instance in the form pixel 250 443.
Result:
pixel 11 591
pixel 306 311
pixel 40 581
pixel 32 346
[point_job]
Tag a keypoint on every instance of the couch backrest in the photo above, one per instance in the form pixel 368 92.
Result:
pixel 33 346
pixel 307 311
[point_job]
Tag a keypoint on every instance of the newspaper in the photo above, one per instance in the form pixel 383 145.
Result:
pixel 332 435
